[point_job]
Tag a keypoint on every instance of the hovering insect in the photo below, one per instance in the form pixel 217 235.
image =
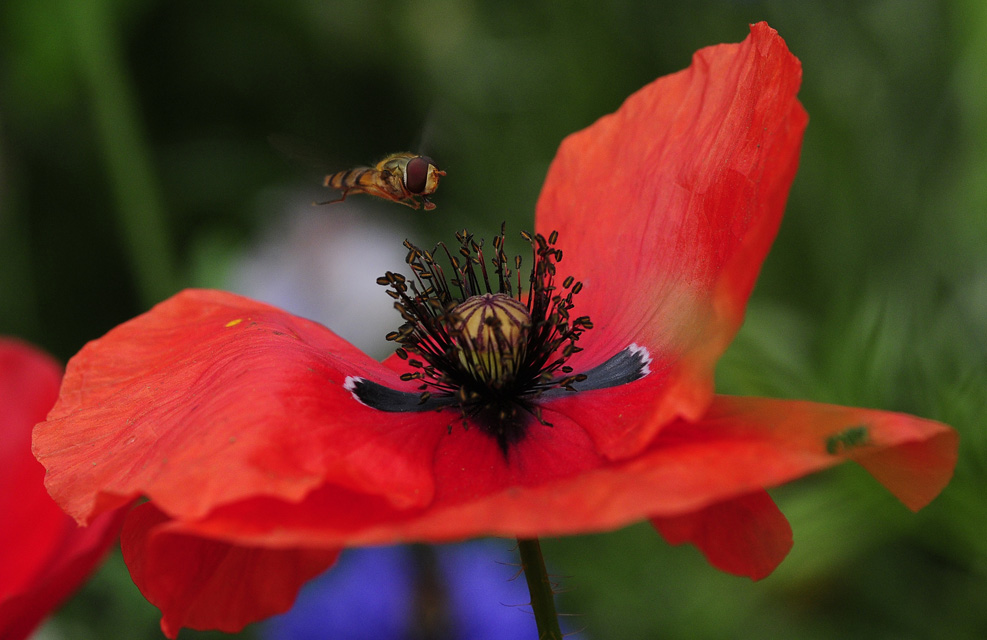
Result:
pixel 401 177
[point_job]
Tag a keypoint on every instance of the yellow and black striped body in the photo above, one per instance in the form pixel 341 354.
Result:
pixel 400 177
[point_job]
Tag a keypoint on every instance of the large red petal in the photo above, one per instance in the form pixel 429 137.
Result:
pixel 741 447
pixel 233 397
pixel 204 584
pixel 747 536
pixel 44 554
pixel 666 210
pixel 469 467
pixel 912 457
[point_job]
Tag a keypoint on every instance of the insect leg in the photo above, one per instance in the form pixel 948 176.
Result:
pixel 339 199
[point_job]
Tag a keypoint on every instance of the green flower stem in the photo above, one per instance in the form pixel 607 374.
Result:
pixel 139 205
pixel 540 588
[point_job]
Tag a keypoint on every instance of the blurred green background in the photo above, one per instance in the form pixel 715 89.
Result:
pixel 134 161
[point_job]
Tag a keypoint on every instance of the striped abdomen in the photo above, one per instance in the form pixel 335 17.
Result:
pixel 359 178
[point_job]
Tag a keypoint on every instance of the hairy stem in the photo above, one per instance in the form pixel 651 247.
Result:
pixel 540 588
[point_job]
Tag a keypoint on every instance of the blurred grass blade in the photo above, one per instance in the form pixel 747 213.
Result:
pixel 139 206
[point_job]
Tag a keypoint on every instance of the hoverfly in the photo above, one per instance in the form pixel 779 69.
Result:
pixel 401 177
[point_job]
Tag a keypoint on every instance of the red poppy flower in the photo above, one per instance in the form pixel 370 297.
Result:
pixel 44 554
pixel 264 442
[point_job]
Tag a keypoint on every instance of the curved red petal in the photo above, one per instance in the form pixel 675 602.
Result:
pixel 469 467
pixel 73 555
pixel 28 387
pixel 667 208
pixel 44 554
pixel 742 446
pixel 613 417
pixel 205 584
pixel 912 457
pixel 747 536
pixel 230 396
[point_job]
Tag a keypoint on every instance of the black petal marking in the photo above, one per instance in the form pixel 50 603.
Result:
pixel 633 363
pixel 377 396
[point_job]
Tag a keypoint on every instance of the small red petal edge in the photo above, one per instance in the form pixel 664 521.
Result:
pixel 747 536
pixel 207 584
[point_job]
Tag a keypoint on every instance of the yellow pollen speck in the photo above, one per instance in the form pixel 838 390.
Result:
pixel 232 323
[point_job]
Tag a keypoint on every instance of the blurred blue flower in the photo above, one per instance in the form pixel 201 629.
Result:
pixel 469 591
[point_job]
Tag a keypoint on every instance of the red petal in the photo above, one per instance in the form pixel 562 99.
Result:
pixel 204 584
pixel 746 536
pixel 230 396
pixel 44 555
pixel 912 457
pixel 743 446
pixel 666 209
pixel 469 467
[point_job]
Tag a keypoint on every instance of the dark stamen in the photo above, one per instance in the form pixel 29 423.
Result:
pixel 495 367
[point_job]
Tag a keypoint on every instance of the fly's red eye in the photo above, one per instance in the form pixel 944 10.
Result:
pixel 416 174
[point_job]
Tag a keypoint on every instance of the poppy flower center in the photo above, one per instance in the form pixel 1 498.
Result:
pixel 491 332
pixel 478 341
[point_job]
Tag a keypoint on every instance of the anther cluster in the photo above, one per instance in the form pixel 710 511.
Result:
pixel 496 364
